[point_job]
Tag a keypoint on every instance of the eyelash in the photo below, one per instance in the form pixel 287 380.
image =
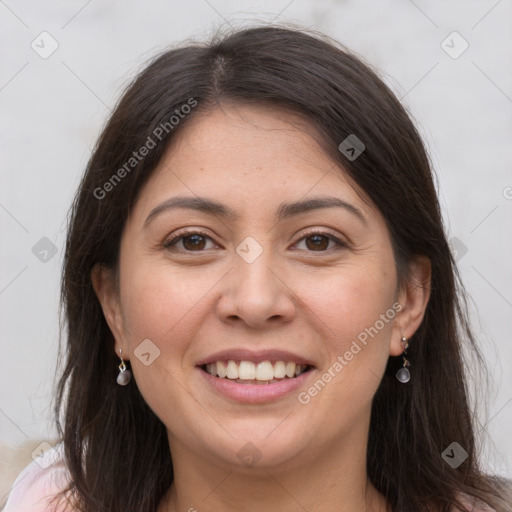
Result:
pixel 168 244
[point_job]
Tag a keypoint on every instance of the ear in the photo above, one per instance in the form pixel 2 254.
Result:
pixel 413 297
pixel 104 284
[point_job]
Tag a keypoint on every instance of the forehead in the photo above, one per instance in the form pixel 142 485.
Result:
pixel 250 157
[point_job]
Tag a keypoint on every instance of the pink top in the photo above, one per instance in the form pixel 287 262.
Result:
pixel 38 483
pixel 47 475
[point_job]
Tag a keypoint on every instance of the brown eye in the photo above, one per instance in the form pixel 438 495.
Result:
pixel 317 242
pixel 190 241
pixel 193 242
pixel 320 242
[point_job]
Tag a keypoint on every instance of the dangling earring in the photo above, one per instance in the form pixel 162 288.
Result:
pixel 403 375
pixel 124 375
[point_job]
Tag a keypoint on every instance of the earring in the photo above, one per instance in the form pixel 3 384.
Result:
pixel 403 375
pixel 124 375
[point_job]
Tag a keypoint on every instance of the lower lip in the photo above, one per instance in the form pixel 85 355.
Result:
pixel 256 393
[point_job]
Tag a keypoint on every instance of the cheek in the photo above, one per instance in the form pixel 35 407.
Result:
pixel 166 307
pixel 356 325
pixel 348 301
pixel 357 318
pixel 159 301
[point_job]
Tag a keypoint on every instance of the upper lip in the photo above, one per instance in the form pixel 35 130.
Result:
pixel 254 356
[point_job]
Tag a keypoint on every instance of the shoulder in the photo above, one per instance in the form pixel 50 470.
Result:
pixel 39 483
pixel 473 505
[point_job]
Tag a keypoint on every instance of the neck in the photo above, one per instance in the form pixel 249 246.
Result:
pixel 334 478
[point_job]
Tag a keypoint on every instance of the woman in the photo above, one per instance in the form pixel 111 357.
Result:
pixel 257 238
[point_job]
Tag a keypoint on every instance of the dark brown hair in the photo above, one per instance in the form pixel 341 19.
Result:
pixel 115 446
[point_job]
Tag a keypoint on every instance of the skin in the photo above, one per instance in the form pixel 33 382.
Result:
pixel 311 299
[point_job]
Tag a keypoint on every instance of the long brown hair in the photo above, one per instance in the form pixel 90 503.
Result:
pixel 115 446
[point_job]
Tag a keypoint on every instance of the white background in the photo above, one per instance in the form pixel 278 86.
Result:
pixel 52 111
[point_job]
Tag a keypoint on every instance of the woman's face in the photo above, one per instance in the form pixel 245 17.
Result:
pixel 282 265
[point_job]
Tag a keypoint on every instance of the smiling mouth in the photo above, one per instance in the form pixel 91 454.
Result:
pixel 247 372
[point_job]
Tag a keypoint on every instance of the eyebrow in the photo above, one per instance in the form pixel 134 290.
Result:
pixel 285 210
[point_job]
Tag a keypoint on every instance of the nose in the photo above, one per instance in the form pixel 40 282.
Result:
pixel 257 294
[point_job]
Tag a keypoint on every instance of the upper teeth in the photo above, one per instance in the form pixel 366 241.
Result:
pixel 247 370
